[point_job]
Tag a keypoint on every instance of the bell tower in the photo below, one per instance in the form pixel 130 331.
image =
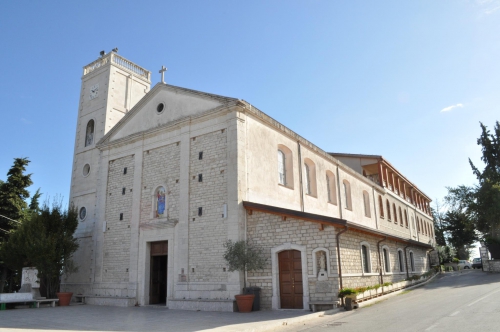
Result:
pixel 111 86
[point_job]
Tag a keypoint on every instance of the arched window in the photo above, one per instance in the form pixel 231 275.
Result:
pixel 347 195
pixel 412 262
pixel 331 188
pixel 365 257
pixel 395 213
pixel 281 168
pixel 310 177
pixel 160 203
pixel 381 206
pixel 418 225
pixel 401 260
pixel 89 133
pixel 388 206
pixel 400 217
pixel 307 179
pixel 285 166
pixel 366 201
pixel 413 224
pixel 406 219
pixel 387 262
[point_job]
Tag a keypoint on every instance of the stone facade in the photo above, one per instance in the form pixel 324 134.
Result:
pixel 211 154
pixel 491 265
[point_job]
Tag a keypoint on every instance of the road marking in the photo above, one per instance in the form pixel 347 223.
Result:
pixel 482 298
pixel 455 313
pixel 431 327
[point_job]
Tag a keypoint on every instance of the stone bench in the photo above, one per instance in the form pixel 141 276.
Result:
pixel 23 298
pixel 313 304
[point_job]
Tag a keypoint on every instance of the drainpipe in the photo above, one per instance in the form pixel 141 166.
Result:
pixel 300 179
pixel 338 257
pixel 380 259
pixel 406 262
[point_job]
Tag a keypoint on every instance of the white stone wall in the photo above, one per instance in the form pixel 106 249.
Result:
pixel 116 258
pixel 208 232
pixel 161 167
pixel 266 231
pixel 351 260
pixel 491 265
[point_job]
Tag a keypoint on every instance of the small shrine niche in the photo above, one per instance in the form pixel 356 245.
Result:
pixel 321 264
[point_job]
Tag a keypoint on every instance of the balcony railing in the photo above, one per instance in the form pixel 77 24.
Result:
pixel 118 60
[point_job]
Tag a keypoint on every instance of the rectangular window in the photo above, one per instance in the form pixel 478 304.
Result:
pixel 200 211
pixel 121 216
pixel 386 260
pixel 125 170
pixel 200 155
pixel 400 261
pixel 123 191
pixel 200 178
pixel 364 252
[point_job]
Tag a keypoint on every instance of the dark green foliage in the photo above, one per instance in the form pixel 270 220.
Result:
pixel 461 230
pixel 240 256
pixel 45 241
pixel 34 205
pixel 13 193
pixel 482 202
pixel 346 291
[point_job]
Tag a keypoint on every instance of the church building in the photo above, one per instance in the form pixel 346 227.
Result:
pixel 164 176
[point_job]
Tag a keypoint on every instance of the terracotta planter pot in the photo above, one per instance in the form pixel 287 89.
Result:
pixel 244 302
pixel 64 298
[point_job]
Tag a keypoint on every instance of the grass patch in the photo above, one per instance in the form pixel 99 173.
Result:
pixel 404 292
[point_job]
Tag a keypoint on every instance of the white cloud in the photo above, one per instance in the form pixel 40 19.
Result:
pixel 449 108
pixel 490 11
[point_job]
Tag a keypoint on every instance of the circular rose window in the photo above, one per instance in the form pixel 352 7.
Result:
pixel 86 170
pixel 160 108
pixel 83 213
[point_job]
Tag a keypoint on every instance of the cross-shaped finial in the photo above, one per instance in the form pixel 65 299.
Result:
pixel 162 72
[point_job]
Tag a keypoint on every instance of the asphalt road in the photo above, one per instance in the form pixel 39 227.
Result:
pixel 459 301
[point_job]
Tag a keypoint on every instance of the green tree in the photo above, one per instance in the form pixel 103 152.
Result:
pixel 439 229
pixel 45 241
pixel 13 194
pixel 487 193
pixel 461 232
pixel 240 256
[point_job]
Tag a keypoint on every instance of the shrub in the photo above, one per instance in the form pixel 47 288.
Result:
pixel 346 291
pixel 387 284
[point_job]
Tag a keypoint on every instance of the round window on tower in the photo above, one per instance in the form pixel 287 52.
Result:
pixel 86 170
pixel 83 213
pixel 159 108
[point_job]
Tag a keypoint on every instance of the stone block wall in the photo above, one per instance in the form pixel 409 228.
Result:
pixel 208 231
pixel 116 255
pixel 491 265
pixel 352 269
pixel 161 167
pixel 267 231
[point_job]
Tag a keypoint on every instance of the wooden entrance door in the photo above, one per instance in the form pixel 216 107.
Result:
pixel 158 283
pixel 290 269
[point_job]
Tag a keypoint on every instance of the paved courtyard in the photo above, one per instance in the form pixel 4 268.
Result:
pixel 149 318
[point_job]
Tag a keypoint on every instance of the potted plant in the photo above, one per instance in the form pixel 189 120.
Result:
pixel 350 297
pixel 240 256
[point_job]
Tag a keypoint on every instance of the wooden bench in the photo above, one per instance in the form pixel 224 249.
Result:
pixel 34 303
pixel 313 304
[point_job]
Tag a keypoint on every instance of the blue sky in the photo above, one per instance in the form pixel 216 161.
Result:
pixel 409 80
